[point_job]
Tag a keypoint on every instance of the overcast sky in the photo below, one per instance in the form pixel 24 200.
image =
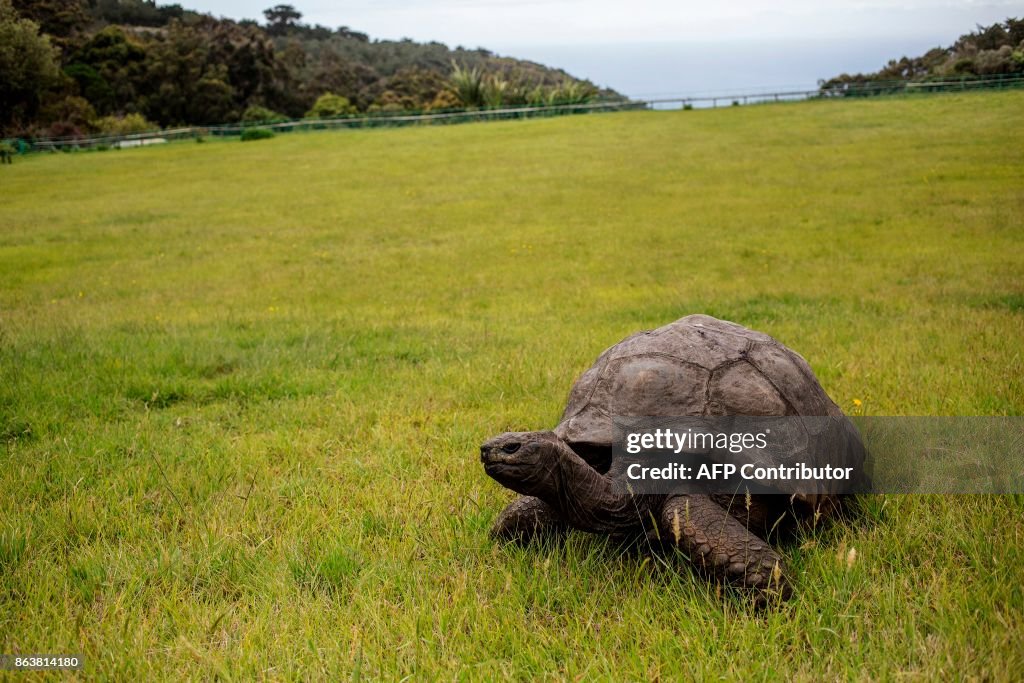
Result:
pixel 504 24
pixel 653 48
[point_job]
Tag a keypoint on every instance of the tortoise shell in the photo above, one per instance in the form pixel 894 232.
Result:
pixel 695 366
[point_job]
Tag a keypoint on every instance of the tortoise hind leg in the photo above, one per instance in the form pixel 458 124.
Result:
pixel 525 519
pixel 769 517
pixel 721 545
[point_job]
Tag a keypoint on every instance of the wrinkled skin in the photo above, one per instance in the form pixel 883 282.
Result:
pixel 562 490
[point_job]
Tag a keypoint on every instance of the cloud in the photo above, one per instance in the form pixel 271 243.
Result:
pixel 522 22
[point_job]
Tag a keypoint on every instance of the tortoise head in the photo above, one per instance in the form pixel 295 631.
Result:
pixel 526 462
pixel 543 465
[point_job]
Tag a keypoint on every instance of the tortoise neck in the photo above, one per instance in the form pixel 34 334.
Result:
pixel 588 499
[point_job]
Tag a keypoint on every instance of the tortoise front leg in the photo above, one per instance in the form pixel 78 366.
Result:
pixel 718 543
pixel 527 518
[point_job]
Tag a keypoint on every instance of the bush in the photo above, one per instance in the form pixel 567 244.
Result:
pixel 125 125
pixel 65 129
pixel 70 112
pixel 329 106
pixel 468 85
pixel 389 108
pixel 256 134
pixel 257 114
pixel 445 99
pixel 571 92
pixel 494 91
pixel 1001 61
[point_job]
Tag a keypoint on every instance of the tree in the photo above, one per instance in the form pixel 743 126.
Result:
pixel 346 32
pixel 28 66
pixel 135 12
pixel 213 100
pixel 109 70
pixel 281 19
pixel 185 85
pixel 59 19
pixel 332 73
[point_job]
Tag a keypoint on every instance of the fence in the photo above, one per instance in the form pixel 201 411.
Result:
pixel 852 89
pixel 368 121
pixel 938 85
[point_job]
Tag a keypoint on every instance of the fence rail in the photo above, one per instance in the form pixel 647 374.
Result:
pixel 945 84
pixel 843 90
pixel 743 98
pixel 391 120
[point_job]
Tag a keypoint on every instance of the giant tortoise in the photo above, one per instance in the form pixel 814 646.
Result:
pixel 695 366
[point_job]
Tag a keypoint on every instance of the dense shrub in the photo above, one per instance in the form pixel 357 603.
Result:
pixel 445 99
pixel 572 92
pixel 999 61
pixel 329 106
pixel 125 125
pixel 257 114
pixel 71 115
pixel 256 134
pixel 64 129
pixel 388 108
pixel 468 85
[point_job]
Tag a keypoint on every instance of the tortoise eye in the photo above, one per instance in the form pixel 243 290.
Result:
pixel 511 447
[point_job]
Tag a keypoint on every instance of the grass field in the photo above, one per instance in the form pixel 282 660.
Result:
pixel 243 385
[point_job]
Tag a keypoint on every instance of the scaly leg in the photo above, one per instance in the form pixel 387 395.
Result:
pixel 719 544
pixel 527 518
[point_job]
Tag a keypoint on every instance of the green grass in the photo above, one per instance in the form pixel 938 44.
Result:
pixel 242 388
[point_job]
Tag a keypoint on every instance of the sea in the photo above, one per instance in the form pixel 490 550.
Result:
pixel 709 69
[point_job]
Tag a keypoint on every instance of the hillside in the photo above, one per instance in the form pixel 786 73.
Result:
pixel 86 64
pixel 989 51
